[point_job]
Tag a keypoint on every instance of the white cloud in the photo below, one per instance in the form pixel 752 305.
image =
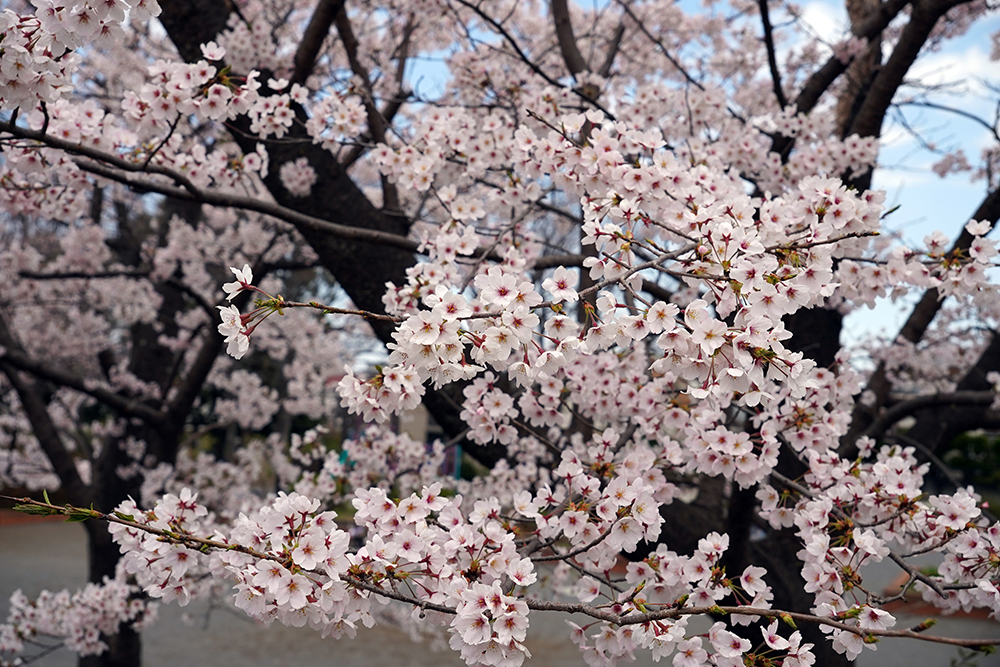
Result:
pixel 827 21
pixel 965 70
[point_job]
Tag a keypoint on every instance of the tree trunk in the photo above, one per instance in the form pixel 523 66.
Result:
pixel 124 648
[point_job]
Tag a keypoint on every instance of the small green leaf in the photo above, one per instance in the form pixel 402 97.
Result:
pixel 35 509
pixel 77 514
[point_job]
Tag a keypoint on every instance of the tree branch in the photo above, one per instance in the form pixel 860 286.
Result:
pixel 772 60
pixel 313 38
pixel 575 62
pixel 128 407
pixel 376 124
pixel 609 59
pixel 820 80
pixel 110 166
pixel 906 408
pixel 923 17
pixel 41 423
pixel 671 612
pixel 523 57
pixel 958 112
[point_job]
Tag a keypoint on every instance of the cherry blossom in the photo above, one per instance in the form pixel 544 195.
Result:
pixel 590 274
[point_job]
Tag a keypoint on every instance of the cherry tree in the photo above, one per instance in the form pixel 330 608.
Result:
pixel 611 256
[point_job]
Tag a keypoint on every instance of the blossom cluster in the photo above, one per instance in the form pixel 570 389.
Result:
pixel 613 385
pixel 78 619
pixel 38 51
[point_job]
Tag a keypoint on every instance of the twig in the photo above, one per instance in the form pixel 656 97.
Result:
pixel 579 550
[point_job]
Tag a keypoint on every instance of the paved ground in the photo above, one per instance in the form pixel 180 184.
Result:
pixel 51 555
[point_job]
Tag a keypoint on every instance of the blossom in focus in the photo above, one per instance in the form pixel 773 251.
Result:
pixel 244 277
pixel 232 328
pixel 562 285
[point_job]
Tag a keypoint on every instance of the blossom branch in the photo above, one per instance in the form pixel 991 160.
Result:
pixel 279 303
pixel 934 585
pixel 630 617
pixel 110 166
pixel 916 325
pixel 77 514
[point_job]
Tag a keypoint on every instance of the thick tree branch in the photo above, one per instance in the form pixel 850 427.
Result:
pixel 36 410
pixel 937 426
pixel 388 112
pixel 84 275
pixel 313 38
pixel 923 17
pixel 613 47
pixel 392 106
pixel 819 82
pixel 908 407
pixel 772 59
pixel 376 123
pixel 110 166
pixel 575 62
pixel 301 221
pixel 128 407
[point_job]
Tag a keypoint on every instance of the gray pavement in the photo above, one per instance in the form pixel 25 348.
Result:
pixel 52 555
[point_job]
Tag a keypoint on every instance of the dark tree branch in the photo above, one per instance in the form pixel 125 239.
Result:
pixel 313 38
pixel 575 62
pixel 958 112
pixel 549 261
pixel 376 123
pixel 937 427
pixel 388 112
pixel 910 406
pixel 128 407
pixel 609 59
pixel 819 82
pixel 924 16
pixel 301 221
pixel 524 58
pixel 772 59
pixel 660 45
pixel 36 410
pixel 110 166
pixel 83 275
pixel 391 107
